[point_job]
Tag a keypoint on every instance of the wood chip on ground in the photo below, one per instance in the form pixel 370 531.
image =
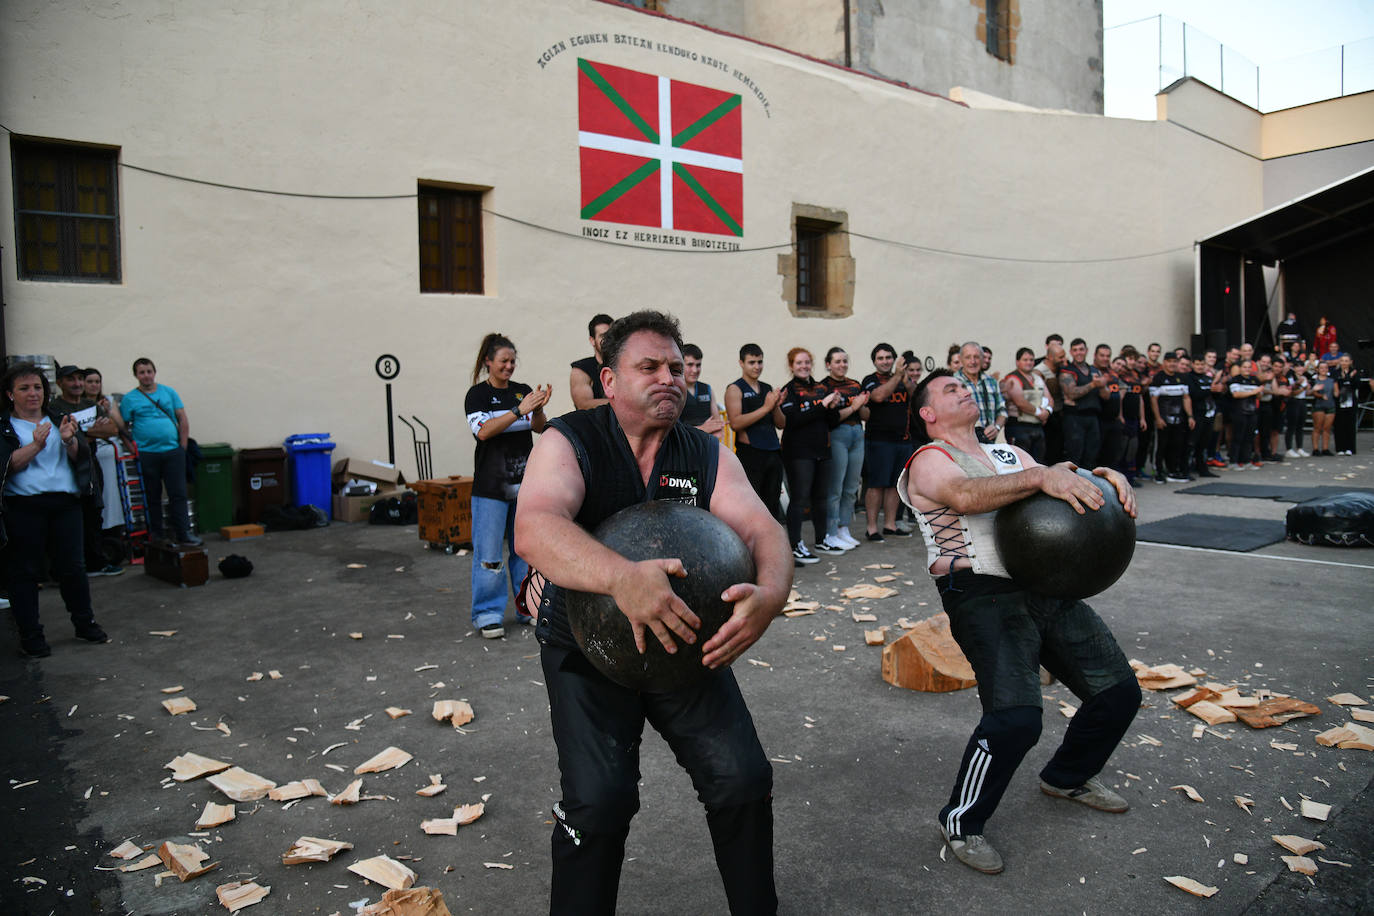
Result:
pixel 1161 677
pixel 866 590
pixel 1189 791
pixel 1314 811
pixel 313 849
pixel 458 712
pixel 236 895
pixel 349 796
pixel 1196 888
pixel 179 706
pixel 385 871
pixel 300 788
pixel 193 766
pixel 389 759
pixel 1297 845
pixel 1347 699
pixel 436 785
pixel 214 815
pixel 185 860
pixel 126 850
pixel 241 785
pixel 1300 864
pixel 415 901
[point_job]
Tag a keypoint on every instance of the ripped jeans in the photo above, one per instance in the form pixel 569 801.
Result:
pixel 493 527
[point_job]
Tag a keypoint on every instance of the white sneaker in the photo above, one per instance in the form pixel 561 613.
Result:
pixel 1291 453
pixel 847 539
pixel 833 542
pixel 1304 453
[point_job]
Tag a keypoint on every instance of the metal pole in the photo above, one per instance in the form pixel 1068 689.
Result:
pixel 1185 48
pixel 1221 61
pixel 1342 70
pixel 390 429
pixel 1159 57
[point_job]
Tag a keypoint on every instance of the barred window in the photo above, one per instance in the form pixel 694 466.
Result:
pixel 66 211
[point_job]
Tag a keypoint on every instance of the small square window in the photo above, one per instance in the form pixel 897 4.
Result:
pixel 450 240
pixel 66 211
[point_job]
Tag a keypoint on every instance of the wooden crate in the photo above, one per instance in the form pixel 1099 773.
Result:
pixel 184 566
pixel 445 511
pixel 238 532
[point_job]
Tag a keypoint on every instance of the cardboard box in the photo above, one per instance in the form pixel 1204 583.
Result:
pixel 357 508
pixel 387 477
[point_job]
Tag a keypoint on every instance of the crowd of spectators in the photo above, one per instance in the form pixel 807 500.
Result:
pixel 63 508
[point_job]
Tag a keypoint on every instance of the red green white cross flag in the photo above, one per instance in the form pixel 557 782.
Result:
pixel 659 152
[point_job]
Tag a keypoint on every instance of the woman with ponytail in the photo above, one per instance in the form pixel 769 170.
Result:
pixel 502 414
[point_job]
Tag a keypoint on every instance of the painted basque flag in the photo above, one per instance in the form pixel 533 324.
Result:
pixel 659 152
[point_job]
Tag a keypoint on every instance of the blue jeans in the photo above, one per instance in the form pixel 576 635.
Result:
pixel 493 523
pixel 846 465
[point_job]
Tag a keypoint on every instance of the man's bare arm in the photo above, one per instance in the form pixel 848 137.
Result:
pixel 1070 390
pixel 938 479
pixel 580 387
pixel 550 541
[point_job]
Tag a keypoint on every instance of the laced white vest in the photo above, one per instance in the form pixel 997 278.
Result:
pixel 951 536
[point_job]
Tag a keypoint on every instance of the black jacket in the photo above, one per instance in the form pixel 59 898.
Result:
pixel 87 483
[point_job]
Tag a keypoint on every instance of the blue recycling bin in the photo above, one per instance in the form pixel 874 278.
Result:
pixel 310 465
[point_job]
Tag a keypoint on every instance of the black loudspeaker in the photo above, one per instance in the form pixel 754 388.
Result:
pixel 1196 344
pixel 1216 340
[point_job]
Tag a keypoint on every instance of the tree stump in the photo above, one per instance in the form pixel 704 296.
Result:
pixel 927 658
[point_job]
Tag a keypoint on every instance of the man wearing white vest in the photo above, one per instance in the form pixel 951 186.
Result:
pixel 955 485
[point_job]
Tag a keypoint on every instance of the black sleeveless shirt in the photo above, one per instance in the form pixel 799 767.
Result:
pixel 684 471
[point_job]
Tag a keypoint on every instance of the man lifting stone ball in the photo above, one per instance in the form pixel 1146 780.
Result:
pixel 587 466
pixel 1007 631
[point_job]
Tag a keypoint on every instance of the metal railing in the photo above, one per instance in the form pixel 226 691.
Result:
pixel 1145 56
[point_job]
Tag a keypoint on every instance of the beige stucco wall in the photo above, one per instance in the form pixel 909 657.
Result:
pixel 267 312
pixel 1197 106
pixel 1322 125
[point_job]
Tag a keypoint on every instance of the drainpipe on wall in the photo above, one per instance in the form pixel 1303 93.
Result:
pixel 1197 289
pixel 848 59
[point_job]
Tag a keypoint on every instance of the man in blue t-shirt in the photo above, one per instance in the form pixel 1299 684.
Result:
pixel 157 421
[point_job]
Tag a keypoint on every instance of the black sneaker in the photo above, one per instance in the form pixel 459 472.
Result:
pixel 493 631
pixel 114 569
pixel 896 533
pixel 818 547
pixel 801 556
pixel 91 632
pixel 875 536
pixel 35 647
pixel 190 540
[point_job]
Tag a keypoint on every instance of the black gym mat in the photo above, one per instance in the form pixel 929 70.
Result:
pixel 1288 494
pixel 1219 532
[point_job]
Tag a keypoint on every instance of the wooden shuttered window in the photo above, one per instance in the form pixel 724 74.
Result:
pixel 450 240
pixel 66 211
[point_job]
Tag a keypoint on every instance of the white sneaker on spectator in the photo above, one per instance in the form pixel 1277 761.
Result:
pixel 834 543
pixel 1291 453
pixel 1304 453
pixel 1236 467
pixel 846 538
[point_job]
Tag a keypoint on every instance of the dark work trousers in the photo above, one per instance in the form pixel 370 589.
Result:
pixel 808 489
pixel 1268 422
pixel 1027 436
pixel 1054 438
pixel 597 726
pixel 41 529
pixel 1082 438
pixel 1198 438
pixel 1113 443
pixel 169 469
pixel 1243 437
pixel 1171 456
pixel 1130 431
pixel 1144 450
pixel 763 468
pixel 1007 634
pixel 1344 428
pixel 1294 422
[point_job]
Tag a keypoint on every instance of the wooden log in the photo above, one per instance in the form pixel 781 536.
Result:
pixel 927 658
